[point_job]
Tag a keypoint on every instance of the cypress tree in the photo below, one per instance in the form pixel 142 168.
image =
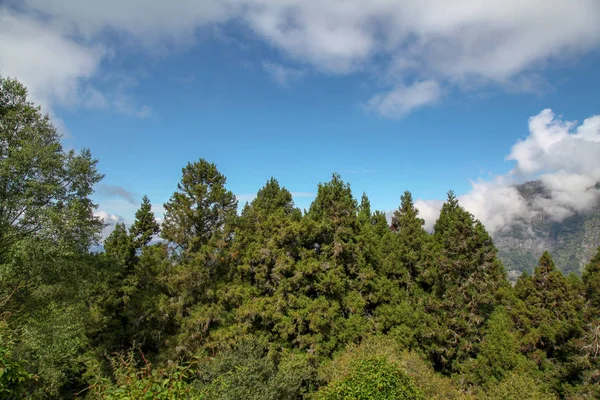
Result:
pixel 467 275
pixel 144 227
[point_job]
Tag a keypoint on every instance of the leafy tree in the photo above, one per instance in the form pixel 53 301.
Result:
pixel 498 354
pixel 47 226
pixel 248 370
pixel 44 191
pixel 551 322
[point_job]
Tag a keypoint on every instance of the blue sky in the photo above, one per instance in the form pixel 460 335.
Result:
pixel 299 90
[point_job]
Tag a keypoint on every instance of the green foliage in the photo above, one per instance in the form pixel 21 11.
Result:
pixel 119 246
pixel 14 378
pixel 134 382
pixel 498 353
pixel 591 280
pixel 43 189
pixel 517 386
pixel 271 303
pixel 467 276
pixel 248 370
pixel 200 207
pixel 372 379
pixel 144 227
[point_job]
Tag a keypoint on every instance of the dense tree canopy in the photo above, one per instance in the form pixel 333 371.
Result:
pixel 269 302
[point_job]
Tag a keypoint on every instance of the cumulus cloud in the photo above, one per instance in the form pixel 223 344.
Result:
pixel 436 43
pixel 565 159
pixel 56 66
pixel 109 220
pixel 41 56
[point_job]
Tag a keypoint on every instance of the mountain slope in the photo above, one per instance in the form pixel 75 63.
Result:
pixel 572 241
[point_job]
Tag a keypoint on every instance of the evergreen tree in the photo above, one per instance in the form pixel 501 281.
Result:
pixel 467 276
pixel 591 280
pixel 551 321
pixel 410 239
pixel 200 207
pixel 119 245
pixel 144 227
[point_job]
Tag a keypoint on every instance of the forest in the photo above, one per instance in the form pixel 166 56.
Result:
pixel 270 302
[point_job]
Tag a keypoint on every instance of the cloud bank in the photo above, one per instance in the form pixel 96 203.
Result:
pixel 414 50
pixel 562 155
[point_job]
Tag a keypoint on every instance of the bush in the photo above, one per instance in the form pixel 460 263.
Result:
pixel 146 382
pixel 373 378
pixel 13 376
pixel 249 371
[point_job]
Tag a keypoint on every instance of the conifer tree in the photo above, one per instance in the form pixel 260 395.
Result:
pixel 199 208
pixel 119 245
pixel 411 237
pixel 144 227
pixel 591 280
pixel 467 276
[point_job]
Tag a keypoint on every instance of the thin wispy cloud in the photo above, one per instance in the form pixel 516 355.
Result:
pixel 284 76
pixel 118 191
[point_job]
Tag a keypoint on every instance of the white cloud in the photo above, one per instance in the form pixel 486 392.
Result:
pixel 283 75
pixel 110 220
pixel 563 156
pixel 402 100
pixel 462 44
pixel 42 57
pixel 56 67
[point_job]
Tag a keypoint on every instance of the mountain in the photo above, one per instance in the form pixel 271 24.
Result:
pixel 571 241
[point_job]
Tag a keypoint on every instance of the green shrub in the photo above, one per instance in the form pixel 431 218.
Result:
pixel 13 376
pixel 249 371
pixel 372 378
pixel 145 382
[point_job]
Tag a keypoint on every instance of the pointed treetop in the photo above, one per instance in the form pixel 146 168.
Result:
pixel 199 208
pixel 334 200
pixel 272 197
pixel 407 214
pixel 365 206
pixel 545 264
pixel 450 214
pixel 118 245
pixel 452 200
pixel 144 227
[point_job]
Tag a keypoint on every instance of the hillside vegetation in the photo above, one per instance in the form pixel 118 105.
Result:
pixel 572 241
pixel 269 303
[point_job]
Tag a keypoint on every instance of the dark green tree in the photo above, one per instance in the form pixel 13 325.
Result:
pixel 467 276
pixel 551 321
pixel 411 238
pixel 119 246
pixel 144 227
pixel 199 208
pixel 591 280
